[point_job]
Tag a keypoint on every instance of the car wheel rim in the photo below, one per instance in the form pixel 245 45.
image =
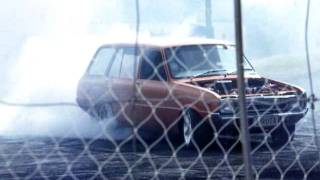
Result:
pixel 105 112
pixel 187 128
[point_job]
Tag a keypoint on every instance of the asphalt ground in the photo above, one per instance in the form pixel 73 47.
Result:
pixel 45 157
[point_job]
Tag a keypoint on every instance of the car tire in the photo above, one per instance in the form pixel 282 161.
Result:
pixel 282 135
pixel 103 112
pixel 191 132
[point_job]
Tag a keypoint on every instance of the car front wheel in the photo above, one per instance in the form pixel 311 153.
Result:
pixel 194 130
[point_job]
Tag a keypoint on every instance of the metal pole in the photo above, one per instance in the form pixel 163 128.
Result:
pixel 313 98
pixel 209 19
pixel 245 138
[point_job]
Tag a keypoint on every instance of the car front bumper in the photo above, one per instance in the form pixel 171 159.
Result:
pixel 228 125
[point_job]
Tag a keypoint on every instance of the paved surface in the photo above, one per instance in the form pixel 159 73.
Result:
pixel 67 158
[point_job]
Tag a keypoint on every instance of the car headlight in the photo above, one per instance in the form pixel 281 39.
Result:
pixel 299 105
pixel 296 107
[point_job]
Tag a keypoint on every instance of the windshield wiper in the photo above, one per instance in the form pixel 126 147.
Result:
pixel 209 72
pixel 235 72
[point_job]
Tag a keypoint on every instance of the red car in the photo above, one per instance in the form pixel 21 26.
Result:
pixel 186 90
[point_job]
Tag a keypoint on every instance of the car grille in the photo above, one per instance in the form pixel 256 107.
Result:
pixel 273 104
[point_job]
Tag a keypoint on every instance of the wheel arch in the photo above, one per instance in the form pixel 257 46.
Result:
pixel 201 100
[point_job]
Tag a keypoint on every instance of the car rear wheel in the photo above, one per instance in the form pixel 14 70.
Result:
pixel 194 130
pixel 104 112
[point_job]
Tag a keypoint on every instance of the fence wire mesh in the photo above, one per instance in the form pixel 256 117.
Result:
pixel 168 110
pixel 180 120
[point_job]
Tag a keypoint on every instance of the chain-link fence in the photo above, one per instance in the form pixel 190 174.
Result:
pixel 179 118
pixel 169 109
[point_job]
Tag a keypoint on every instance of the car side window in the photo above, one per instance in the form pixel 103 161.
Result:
pixel 152 65
pixel 115 65
pixel 101 61
pixel 123 63
pixel 128 59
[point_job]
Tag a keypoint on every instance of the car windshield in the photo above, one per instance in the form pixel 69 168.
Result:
pixel 202 60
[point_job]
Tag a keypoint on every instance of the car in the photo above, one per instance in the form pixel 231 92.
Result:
pixel 186 90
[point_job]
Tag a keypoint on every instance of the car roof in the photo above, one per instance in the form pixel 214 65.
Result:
pixel 168 42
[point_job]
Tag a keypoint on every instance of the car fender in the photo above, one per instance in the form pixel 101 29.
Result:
pixel 202 100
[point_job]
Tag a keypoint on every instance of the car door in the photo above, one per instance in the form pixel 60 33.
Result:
pixel 153 107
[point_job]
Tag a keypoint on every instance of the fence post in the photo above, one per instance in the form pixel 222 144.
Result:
pixel 245 138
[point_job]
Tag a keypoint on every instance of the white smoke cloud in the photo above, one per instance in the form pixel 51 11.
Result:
pixel 52 59
pixel 47 44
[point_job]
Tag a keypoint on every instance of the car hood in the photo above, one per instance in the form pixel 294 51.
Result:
pixel 226 86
